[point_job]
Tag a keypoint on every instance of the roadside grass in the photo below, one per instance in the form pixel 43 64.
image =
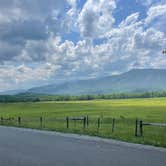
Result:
pixel 124 111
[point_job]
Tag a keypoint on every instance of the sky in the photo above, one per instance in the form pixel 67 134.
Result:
pixel 52 41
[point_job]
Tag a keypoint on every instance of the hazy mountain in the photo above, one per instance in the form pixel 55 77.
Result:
pixel 12 92
pixel 136 80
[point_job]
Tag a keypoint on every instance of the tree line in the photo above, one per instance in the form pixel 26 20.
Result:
pixel 28 97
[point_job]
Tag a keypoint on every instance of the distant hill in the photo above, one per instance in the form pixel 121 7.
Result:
pixel 137 80
pixel 12 92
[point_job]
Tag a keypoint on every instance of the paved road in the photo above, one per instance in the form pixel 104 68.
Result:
pixel 25 147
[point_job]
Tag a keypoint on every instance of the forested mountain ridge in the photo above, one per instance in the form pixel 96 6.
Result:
pixel 137 80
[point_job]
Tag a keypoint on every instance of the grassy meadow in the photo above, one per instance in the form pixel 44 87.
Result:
pixel 125 112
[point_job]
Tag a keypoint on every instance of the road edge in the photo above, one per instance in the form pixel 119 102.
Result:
pixel 90 138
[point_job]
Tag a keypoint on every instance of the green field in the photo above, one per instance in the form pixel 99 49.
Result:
pixel 124 111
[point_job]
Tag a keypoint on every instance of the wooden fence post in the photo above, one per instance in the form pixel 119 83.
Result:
pixel 19 120
pixel 1 120
pixel 98 123
pixel 113 125
pixel 67 122
pixel 84 122
pixel 141 128
pixel 136 127
pixel 87 121
pixel 41 122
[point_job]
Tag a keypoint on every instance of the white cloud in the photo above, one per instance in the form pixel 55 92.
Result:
pixel 155 12
pixel 96 18
pixel 15 76
pixel 130 20
pixel 134 43
pixel 149 3
pixel 73 3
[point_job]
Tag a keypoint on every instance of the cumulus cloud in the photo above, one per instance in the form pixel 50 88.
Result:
pixel 32 49
pixel 96 18
pixel 155 12
pixel 148 3
pixel 24 21
pixel 156 17
pixel 18 76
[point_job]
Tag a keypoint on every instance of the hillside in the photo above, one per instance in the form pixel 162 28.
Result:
pixel 137 80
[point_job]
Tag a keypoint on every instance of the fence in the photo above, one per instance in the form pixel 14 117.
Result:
pixel 140 124
pixel 97 122
pixel 122 128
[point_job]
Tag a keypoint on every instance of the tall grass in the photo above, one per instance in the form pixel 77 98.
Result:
pixel 125 113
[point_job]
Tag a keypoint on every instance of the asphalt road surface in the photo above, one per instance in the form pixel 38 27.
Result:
pixel 25 147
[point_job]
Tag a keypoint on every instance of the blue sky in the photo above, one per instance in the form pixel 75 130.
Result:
pixel 43 42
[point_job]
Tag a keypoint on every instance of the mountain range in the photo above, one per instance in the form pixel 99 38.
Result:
pixel 136 80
